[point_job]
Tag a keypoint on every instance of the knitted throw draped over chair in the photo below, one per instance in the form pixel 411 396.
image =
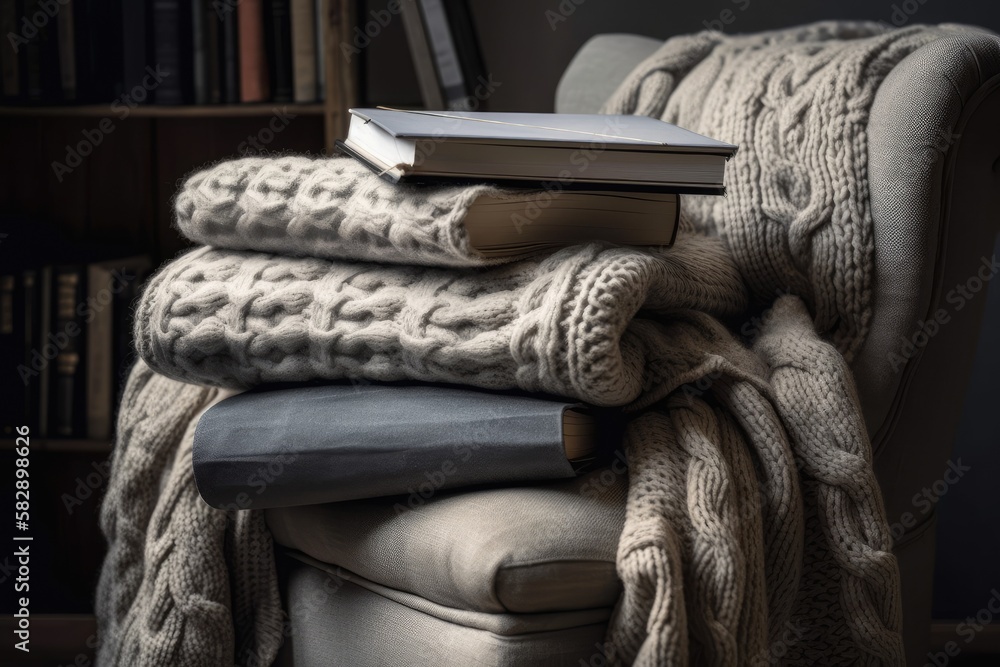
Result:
pixel 754 526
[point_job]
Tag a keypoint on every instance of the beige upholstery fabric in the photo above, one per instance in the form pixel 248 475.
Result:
pixel 529 549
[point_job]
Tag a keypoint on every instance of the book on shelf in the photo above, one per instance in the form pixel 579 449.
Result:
pixel 444 51
pixel 278 43
pixel 348 441
pixel 305 50
pixel 201 52
pixel 254 84
pixel 66 334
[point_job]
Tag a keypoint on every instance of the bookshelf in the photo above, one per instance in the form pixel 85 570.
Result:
pixel 121 195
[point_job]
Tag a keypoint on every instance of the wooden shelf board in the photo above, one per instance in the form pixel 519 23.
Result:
pixel 62 445
pixel 152 111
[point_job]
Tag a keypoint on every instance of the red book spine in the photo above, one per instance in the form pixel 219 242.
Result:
pixel 253 63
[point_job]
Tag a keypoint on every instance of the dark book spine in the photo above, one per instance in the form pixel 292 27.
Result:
pixel 32 363
pixel 229 60
pixel 9 54
pixel 44 333
pixel 67 52
pixel 135 49
pixel 199 65
pixel 213 52
pixel 11 344
pixel 169 55
pixel 68 331
pixel 279 49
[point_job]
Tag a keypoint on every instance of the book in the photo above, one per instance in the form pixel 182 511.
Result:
pixel 321 27
pixel 278 43
pixel 67 52
pixel 11 344
pixel 574 150
pixel 254 84
pixel 9 55
pixel 304 51
pixel 229 59
pixel 173 51
pixel 304 445
pixel 199 40
pixel 524 223
pixel 69 337
pixel 135 44
pixel 111 286
pixel 444 50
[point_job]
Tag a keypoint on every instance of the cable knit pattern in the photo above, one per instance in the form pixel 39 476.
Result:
pixel 165 595
pixel 754 529
pixel 332 208
pixel 797 216
pixel 559 325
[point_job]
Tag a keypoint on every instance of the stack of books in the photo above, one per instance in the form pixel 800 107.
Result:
pixel 163 52
pixel 567 179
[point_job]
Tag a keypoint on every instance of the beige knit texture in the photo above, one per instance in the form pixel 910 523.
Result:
pixel 301 206
pixel 754 532
pixel 183 583
pixel 797 217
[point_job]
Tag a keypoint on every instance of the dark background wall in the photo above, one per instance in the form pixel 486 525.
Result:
pixel 528 43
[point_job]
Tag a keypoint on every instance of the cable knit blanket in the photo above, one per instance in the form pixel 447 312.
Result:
pixel 754 527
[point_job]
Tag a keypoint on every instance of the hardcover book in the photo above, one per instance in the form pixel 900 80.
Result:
pixel 315 444
pixel 576 151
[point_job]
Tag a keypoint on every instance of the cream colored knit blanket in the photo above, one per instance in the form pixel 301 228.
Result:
pixel 754 529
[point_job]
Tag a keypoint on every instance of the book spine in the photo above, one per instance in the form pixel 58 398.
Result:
pixel 66 335
pixel 166 21
pixel 253 66
pixel 199 38
pixel 304 48
pixel 99 344
pixel 9 55
pixel 213 54
pixel 279 49
pixel 321 28
pixel 44 331
pixel 67 52
pixel 10 347
pixel 135 55
pixel 229 59
pixel 32 326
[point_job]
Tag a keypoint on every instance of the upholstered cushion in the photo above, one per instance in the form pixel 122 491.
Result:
pixel 524 549
pixel 341 619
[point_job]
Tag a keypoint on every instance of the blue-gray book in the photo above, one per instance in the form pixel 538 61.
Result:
pixel 305 445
